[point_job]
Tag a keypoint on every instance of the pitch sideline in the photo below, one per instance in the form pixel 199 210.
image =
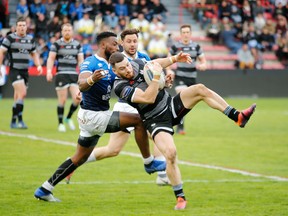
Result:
pixel 241 172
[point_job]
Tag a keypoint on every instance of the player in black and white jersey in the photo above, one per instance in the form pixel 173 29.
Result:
pixel 186 74
pixel 160 112
pixel 19 46
pixel 68 53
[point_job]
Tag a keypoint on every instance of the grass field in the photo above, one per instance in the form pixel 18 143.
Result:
pixel 227 171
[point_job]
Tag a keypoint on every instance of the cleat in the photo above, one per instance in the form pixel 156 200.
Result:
pixel 40 194
pixel 68 178
pixel 70 124
pixel 155 166
pixel 181 203
pixel 245 115
pixel 22 125
pixel 181 132
pixel 61 128
pixel 162 181
pixel 14 125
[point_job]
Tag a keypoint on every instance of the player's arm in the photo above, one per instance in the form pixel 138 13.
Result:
pixel 49 65
pixel 37 63
pixel 201 66
pixel 180 57
pixel 80 58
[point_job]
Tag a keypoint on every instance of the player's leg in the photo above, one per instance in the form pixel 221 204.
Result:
pixel 165 143
pixel 73 89
pixel 162 178
pixel 20 91
pixel 62 94
pixel 196 93
pixel 179 86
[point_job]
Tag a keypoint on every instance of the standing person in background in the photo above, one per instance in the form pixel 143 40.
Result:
pixel 186 74
pixel 68 53
pixel 19 46
pixel 129 42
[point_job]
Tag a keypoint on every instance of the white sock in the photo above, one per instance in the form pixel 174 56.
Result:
pixel 47 186
pixel 91 157
pixel 160 158
pixel 148 160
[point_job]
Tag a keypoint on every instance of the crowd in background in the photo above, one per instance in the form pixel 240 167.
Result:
pixel 259 25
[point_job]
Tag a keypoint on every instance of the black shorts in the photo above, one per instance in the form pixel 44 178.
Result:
pixel 65 80
pixel 169 117
pixel 184 81
pixel 16 75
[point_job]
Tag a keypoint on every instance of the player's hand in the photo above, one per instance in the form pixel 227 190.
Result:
pixel 40 70
pixel 183 57
pixel 49 76
pixel 99 74
pixel 169 79
pixel 155 68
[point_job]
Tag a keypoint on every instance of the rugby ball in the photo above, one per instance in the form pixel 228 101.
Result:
pixel 148 75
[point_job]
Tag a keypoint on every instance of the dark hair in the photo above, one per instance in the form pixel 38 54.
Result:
pixel 116 58
pixel 20 19
pixel 104 35
pixel 185 26
pixel 129 32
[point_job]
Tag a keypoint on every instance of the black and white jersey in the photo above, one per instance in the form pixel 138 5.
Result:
pixel 184 69
pixel 66 55
pixel 125 89
pixel 19 50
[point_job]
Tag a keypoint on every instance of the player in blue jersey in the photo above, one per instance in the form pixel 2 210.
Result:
pixel 95 81
pixel 129 42
pixel 160 112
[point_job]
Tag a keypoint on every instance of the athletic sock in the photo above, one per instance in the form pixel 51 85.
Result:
pixel 232 113
pixel 72 109
pixel 20 107
pixel 60 113
pixel 148 160
pixel 178 191
pixel 91 157
pixel 14 114
pixel 63 170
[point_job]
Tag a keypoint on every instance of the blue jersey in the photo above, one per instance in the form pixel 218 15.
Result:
pixel 98 96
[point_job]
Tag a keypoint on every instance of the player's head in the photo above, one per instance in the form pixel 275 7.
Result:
pixel 129 41
pixel 67 31
pixel 185 32
pixel 107 43
pixel 21 26
pixel 121 66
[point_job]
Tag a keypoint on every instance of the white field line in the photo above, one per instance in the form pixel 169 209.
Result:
pixel 241 172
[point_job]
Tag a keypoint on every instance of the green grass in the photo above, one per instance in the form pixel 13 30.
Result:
pixel 119 186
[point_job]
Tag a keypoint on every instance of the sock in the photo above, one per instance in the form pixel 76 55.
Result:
pixel 180 127
pixel 161 174
pixel 232 113
pixel 60 113
pixel 91 157
pixel 20 107
pixel 148 160
pixel 63 170
pixel 72 109
pixel 14 114
pixel 178 191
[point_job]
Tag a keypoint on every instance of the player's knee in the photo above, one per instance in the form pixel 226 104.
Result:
pixel 171 154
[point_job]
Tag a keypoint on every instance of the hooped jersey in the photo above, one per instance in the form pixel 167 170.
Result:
pixel 98 96
pixel 125 89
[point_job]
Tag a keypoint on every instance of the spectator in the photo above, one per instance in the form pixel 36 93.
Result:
pixel 235 12
pixel 279 10
pixel 245 57
pixel 62 9
pixel 121 9
pixel 22 9
pixel 266 40
pixel 87 48
pixel 228 38
pixel 43 51
pixel 270 25
pixel 156 25
pixel 54 26
pixel 87 7
pixel 259 23
pixel 224 10
pixel 258 8
pixel 51 7
pixel 281 26
pixel 96 9
pixel 282 51
pixel 85 26
pixel 159 10
pixel 143 25
pixel 36 9
pixel 145 8
pixel 75 11
pixel 110 17
pixel 133 9
pixel 247 12
pixel 41 27
pixel 157 46
pixel 213 30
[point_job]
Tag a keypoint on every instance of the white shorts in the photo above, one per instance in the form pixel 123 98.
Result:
pixel 93 123
pixel 125 107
